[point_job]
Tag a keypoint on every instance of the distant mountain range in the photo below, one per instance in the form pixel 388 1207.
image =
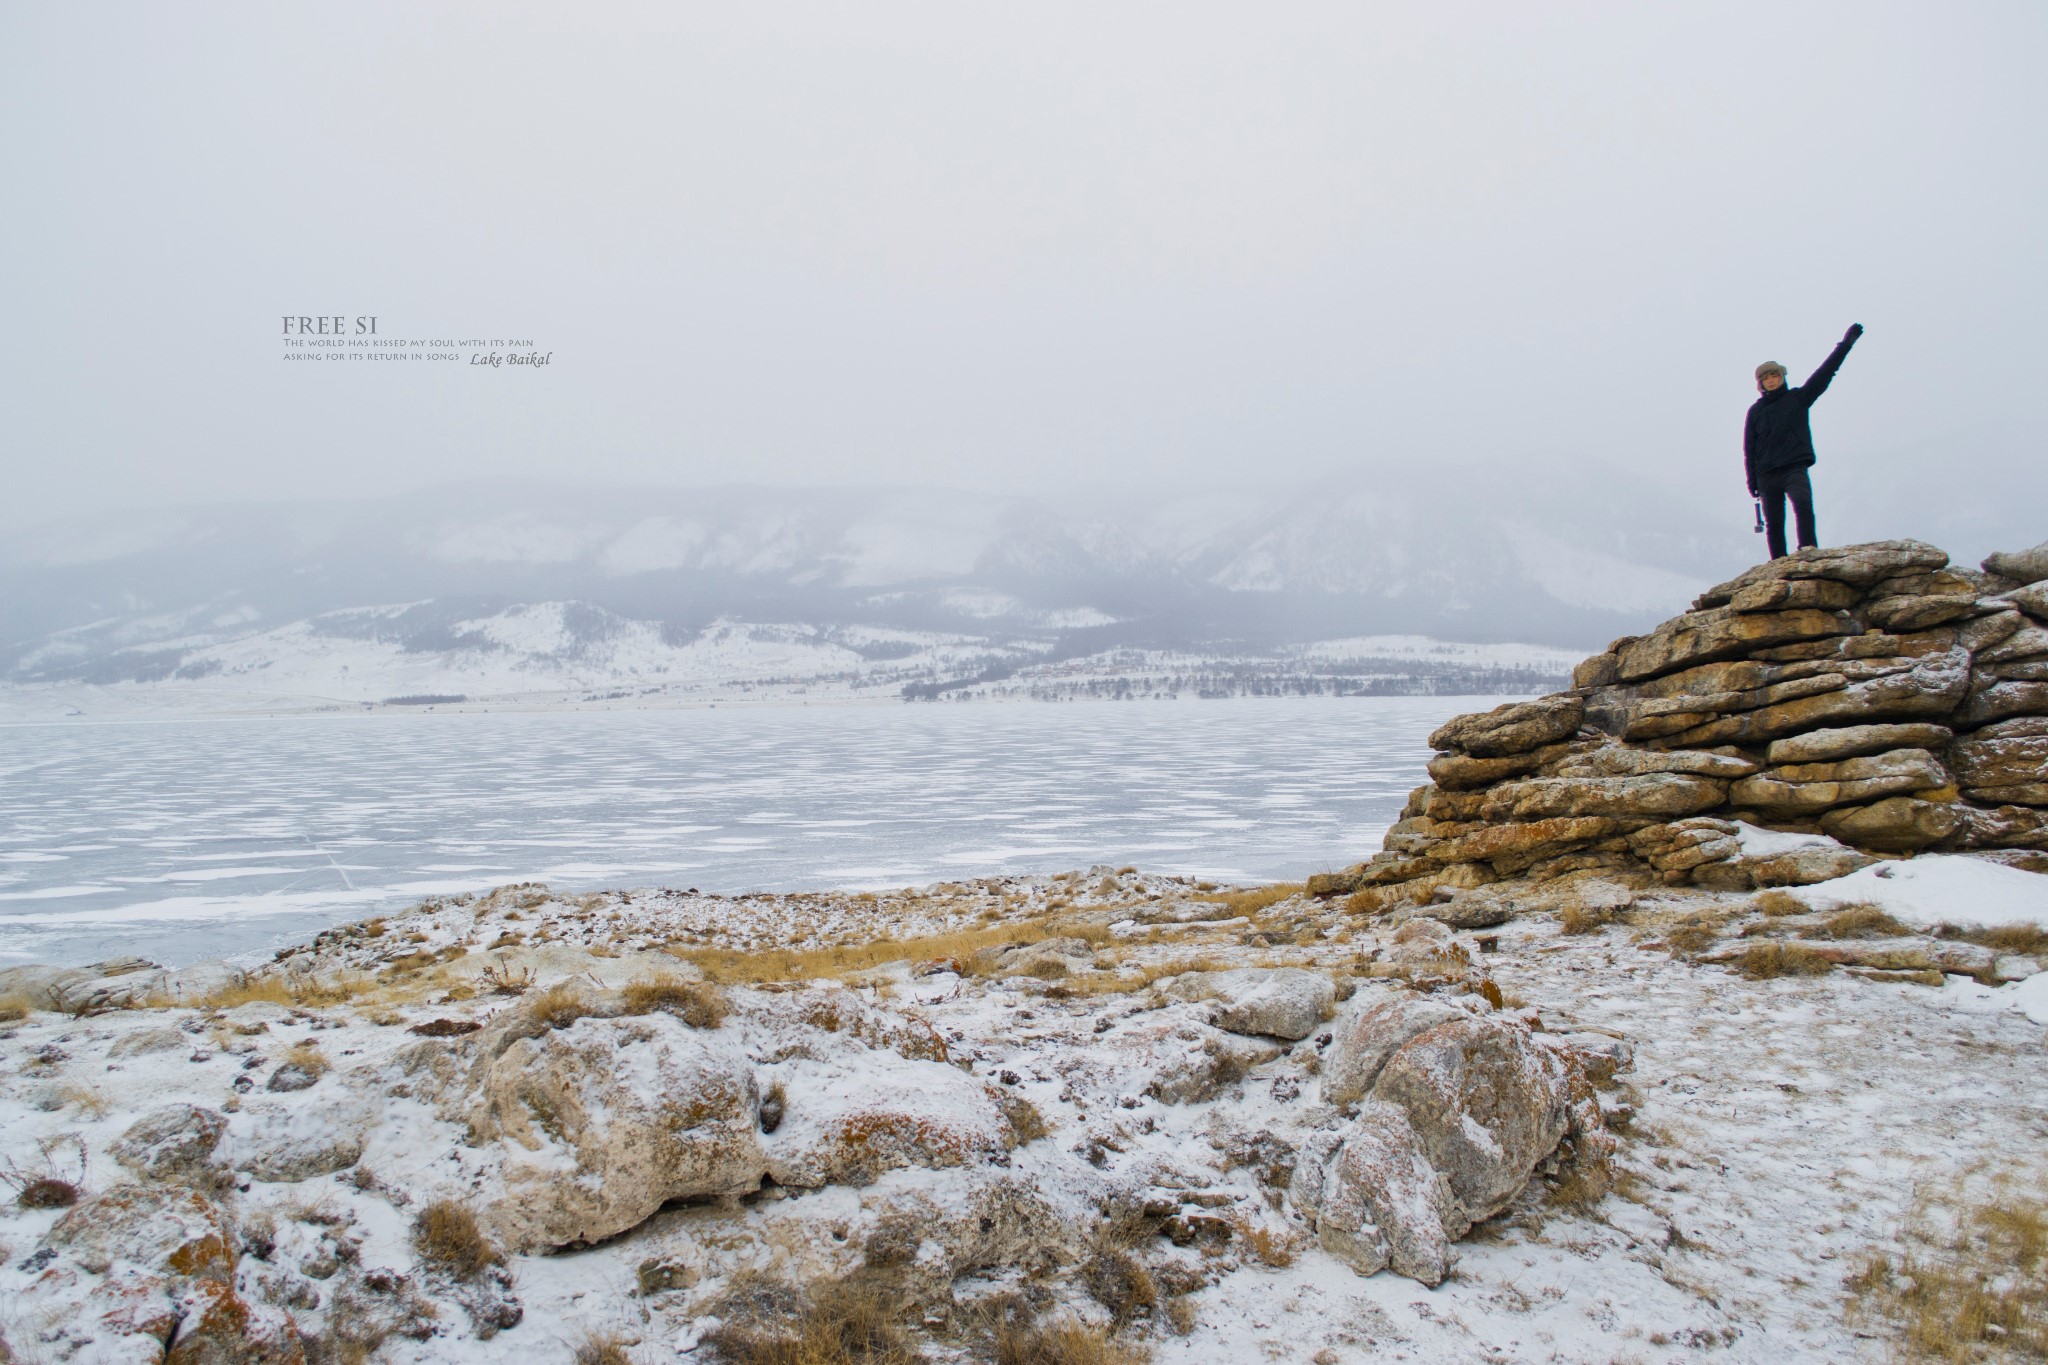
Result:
pixel 568 588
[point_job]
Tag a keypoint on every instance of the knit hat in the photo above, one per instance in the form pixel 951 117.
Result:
pixel 1769 367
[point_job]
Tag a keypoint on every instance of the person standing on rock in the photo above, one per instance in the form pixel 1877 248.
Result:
pixel 1777 443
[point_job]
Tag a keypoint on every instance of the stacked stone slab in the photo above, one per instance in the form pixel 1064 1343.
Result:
pixel 1871 693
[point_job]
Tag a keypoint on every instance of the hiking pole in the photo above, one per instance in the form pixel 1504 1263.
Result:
pixel 1759 516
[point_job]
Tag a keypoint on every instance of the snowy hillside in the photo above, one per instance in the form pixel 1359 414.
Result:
pixel 525 590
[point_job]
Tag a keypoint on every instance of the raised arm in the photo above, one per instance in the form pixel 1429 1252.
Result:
pixel 1817 383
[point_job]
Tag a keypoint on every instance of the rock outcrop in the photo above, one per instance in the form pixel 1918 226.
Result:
pixel 1870 693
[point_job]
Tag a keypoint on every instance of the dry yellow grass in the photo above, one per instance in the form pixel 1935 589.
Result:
pixel 2028 939
pixel 275 988
pixel 1254 899
pixel 600 1348
pixel 730 967
pixel 1765 959
pixel 307 1058
pixel 446 1236
pixel 857 1319
pixel 1777 903
pixel 559 1006
pixel 1066 1342
pixel 694 1002
pixel 1966 1280
pixel 1577 918
pixel 1862 921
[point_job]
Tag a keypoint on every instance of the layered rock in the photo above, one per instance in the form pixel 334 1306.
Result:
pixel 1869 692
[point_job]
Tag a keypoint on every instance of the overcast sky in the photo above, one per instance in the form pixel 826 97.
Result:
pixel 1025 248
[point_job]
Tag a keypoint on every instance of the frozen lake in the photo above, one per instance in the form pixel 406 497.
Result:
pixel 194 839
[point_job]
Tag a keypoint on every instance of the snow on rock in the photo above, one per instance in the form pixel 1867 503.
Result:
pixel 1280 1002
pixel 1938 889
pixel 601 1122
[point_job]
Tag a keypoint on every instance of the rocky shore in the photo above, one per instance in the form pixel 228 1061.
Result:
pixel 1693 1009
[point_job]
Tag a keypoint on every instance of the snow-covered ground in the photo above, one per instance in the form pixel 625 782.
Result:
pixel 1774 1133
pixel 569 654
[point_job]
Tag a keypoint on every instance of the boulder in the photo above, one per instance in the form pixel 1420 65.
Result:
pixel 603 1121
pixel 174 1142
pixel 1383 1204
pixel 1189 1063
pixel 1853 741
pixel 2004 827
pixel 1278 1002
pixel 1615 760
pixel 217 1326
pixel 1808 788
pixel 1860 566
pixel 1657 796
pixel 2002 700
pixel 1486 1104
pixel 1990 630
pixel 1371 1031
pixel 1704 636
pixel 2027 641
pixel 2005 762
pixel 142 1042
pixel 201 981
pixel 1461 909
pixel 1805 865
pixel 287 1141
pixel 848 1119
pixel 2022 566
pixel 1785 594
pixel 164 1230
pixel 1897 824
pixel 1511 729
pixel 1513 847
pixel 1682 845
pixel 1926 688
pixel 2032 599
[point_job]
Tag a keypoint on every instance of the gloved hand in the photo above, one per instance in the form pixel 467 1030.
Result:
pixel 1849 337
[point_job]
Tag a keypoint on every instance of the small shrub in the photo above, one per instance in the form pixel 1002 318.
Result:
pixel 697 1004
pixel 47 1192
pixel 1763 960
pixel 1025 1120
pixel 856 1319
pixel 1578 918
pixel 500 979
pixel 446 1237
pixel 1066 1342
pixel 600 1348
pixel 1119 1282
pixel 559 1006
pixel 1275 1249
pixel 307 1058
pixel 1862 921
pixel 1778 904
pixel 1693 935
pixel 1254 899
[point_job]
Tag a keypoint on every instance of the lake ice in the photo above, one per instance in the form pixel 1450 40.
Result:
pixel 193 839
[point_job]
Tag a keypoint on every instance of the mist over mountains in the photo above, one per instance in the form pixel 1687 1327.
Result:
pixel 140 597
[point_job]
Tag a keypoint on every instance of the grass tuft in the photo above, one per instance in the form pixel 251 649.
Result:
pixel 600 1348
pixel 1066 1342
pixel 857 1319
pixel 1777 904
pixel 1254 899
pixel 694 1002
pixel 2029 940
pixel 1862 921
pixel 445 1236
pixel 1762 960
pixel 559 1006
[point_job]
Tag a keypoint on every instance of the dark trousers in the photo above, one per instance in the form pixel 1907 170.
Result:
pixel 1774 488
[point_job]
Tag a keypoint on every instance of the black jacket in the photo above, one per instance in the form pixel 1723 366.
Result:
pixel 1776 437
